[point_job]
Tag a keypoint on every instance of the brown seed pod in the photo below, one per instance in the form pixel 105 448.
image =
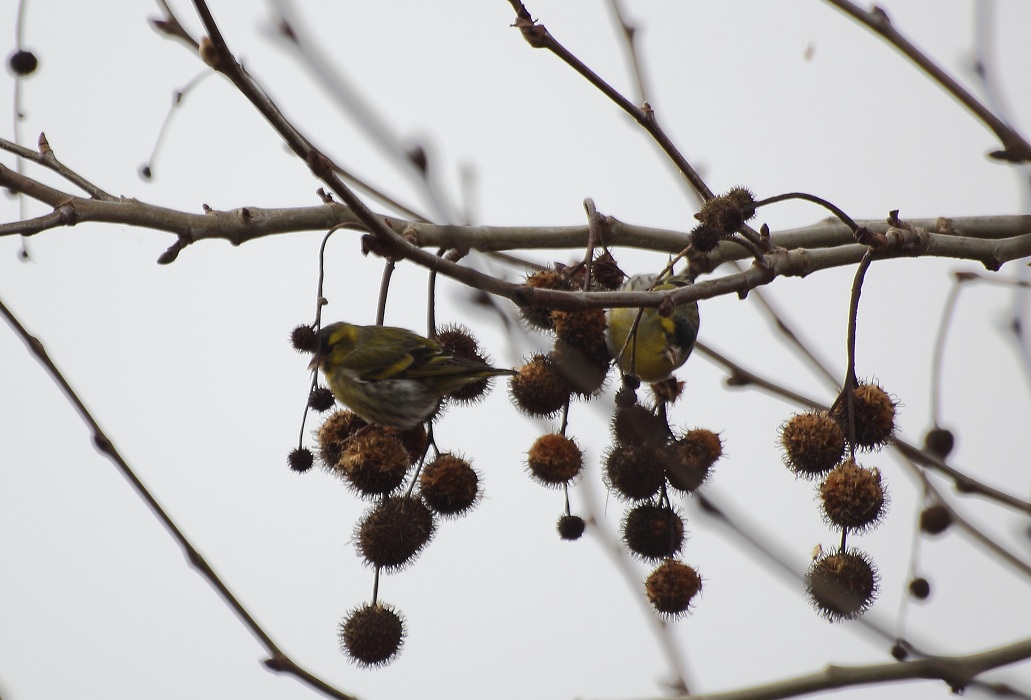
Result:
pixel 920 588
pixel 373 463
pixel 668 390
pixel 935 519
pixel 842 585
pixel 939 442
pixel 671 587
pixel 727 212
pixel 813 443
pixel 321 399
pixel 570 527
pixel 540 389
pixel 449 485
pixel 636 425
pixel 689 459
pixel 853 498
pixel 653 532
pixel 393 532
pixel 583 329
pixel 538 316
pixel 554 460
pixel 704 239
pixel 413 439
pixel 300 459
pixel 22 62
pixel 334 434
pixel 303 339
pixel 459 341
pixel 372 634
pixel 584 369
pixel 606 273
pixel 874 416
pixel 633 472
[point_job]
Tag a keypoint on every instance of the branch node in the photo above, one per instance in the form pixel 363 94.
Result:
pixel 535 34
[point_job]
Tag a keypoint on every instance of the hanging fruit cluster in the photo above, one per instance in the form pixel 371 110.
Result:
pixel 408 492
pixel 648 462
pixel 842 583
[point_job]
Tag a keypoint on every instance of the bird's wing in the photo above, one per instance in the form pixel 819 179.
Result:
pixel 390 362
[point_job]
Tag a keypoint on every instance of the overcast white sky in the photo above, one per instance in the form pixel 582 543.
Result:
pixel 188 369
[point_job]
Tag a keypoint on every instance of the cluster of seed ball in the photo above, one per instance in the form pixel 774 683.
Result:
pixel 842 584
pixel 407 495
pixel 645 465
pixel 720 217
pixel 577 365
pixel 647 460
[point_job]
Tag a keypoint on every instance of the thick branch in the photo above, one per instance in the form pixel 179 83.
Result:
pixel 956 671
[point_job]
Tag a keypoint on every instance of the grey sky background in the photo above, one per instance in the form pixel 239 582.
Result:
pixel 189 370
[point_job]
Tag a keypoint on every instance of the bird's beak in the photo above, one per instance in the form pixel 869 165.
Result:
pixel 316 360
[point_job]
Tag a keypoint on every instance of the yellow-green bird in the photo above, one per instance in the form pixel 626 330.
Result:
pixel 392 376
pixel 662 343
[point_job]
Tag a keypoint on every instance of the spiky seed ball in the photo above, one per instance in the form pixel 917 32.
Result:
pixel 449 485
pixel 373 463
pixel 939 442
pixel 413 439
pixel 875 416
pixel 570 527
pixel 538 316
pixel 653 532
pixel 668 390
pixel 935 519
pixel 626 395
pixel 743 198
pixel 842 585
pixel 636 425
pixel 580 350
pixel 321 399
pixel 23 62
pixel 460 342
pixel 920 588
pixel 671 587
pixel 300 459
pixel 555 460
pixel 333 435
pixel 303 339
pixel 583 373
pixel 540 389
pixel 372 634
pixel 704 239
pixel 634 472
pixel 689 459
pixel 853 497
pixel 728 212
pixel 584 329
pixel 813 443
pixel 606 273
pixel 393 532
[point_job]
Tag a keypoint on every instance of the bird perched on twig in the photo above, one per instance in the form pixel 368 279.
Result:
pixel 392 376
pixel 661 343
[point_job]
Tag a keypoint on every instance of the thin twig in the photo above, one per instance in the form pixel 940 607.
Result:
pixel 277 661
pixel 629 32
pixel 538 36
pixel 45 157
pixel 1015 147
pixel 740 376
